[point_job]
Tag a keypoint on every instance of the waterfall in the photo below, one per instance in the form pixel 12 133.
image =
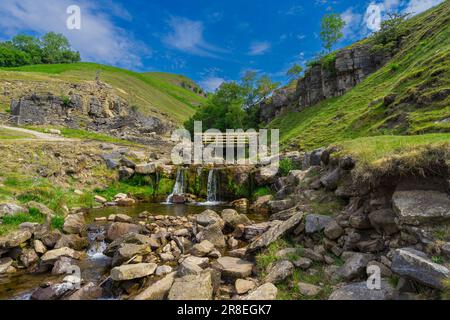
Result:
pixel 179 187
pixel 212 187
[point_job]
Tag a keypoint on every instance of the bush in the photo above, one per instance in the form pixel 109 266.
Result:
pixel 286 165
pixel 57 222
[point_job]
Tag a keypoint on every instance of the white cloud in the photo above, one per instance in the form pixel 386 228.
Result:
pixel 258 48
pixel 352 23
pixel 211 84
pixel 418 6
pixel 391 5
pixel 99 39
pixel 187 36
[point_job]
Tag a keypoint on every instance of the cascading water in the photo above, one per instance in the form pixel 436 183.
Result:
pixel 179 187
pixel 212 188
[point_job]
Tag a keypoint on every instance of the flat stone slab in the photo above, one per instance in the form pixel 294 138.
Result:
pixel 419 207
pixel 417 266
pixel 133 271
pixel 360 291
pixel 234 267
pixel 53 255
pixel 192 287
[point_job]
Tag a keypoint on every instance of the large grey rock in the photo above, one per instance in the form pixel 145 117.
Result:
pixel 193 287
pixel 127 251
pixel 73 241
pixel 331 180
pixel 418 207
pixel 213 233
pixel 417 266
pixel 53 292
pixel 280 205
pixel 90 291
pixel 254 230
pixel 158 290
pixel 11 209
pixel 234 267
pixel 28 257
pixel 5 264
pixel 209 217
pixel 355 266
pixel 360 291
pixel 333 230
pixel 280 271
pixel 55 254
pixel 133 271
pixel 384 221
pixel 316 223
pixel 14 239
pixel 232 218
pixel 188 268
pixel 275 232
pixel 202 249
pixel 266 292
pixel 118 229
pixel 146 168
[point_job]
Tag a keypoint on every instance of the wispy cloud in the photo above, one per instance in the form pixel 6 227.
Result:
pixel 258 48
pixel 353 22
pixel 99 39
pixel 292 11
pixel 187 36
pixel 418 6
pixel 211 84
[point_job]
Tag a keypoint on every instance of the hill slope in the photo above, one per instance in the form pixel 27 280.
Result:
pixel 158 94
pixel 410 95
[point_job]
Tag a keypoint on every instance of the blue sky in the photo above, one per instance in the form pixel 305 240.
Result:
pixel 209 41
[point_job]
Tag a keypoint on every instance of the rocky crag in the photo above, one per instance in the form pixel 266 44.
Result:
pixel 346 69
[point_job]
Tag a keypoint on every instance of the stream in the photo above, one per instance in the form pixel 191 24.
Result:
pixel 95 266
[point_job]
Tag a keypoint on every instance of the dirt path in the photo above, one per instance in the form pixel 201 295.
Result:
pixel 38 135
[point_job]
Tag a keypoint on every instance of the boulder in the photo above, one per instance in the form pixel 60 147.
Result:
pixel 303 263
pixel 263 293
pixel 308 290
pixel 417 266
pixel 123 218
pixel 5 264
pixel 158 290
pixel 132 271
pixel 14 239
pixel 125 173
pixel 118 229
pixel 11 209
pixel 254 230
pixel 384 221
pixel 243 286
pixel 234 268
pixel 419 207
pixel 62 266
pixel 240 204
pixel 331 180
pixel 275 232
pixel 360 291
pixel 266 175
pixel 52 292
pixel 209 217
pixel 73 241
pixel 213 233
pixel 146 168
pixel 201 262
pixel 333 230
pixel 90 291
pixel 163 270
pixel 316 223
pixel 188 268
pixel 126 251
pixel 280 271
pixel 202 249
pixel 261 204
pixel 232 218
pixel 100 199
pixel 354 267
pixel 28 257
pixel 39 247
pixel 52 255
pixel 193 287
pixel 280 205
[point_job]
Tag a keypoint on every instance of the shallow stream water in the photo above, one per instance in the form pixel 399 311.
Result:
pixel 95 266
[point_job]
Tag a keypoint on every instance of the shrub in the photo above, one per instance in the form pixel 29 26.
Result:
pixel 57 222
pixel 394 67
pixel 286 165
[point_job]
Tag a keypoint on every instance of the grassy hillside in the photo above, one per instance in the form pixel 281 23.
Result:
pixel 417 80
pixel 152 93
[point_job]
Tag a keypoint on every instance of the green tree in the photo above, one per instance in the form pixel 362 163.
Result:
pixel 29 45
pixel 53 47
pixel 294 72
pixel 331 30
pixel 265 87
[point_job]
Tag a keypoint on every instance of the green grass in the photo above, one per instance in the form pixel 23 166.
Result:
pixel 10 223
pixel 151 93
pixel 384 153
pixel 11 134
pixel 420 83
pixel 83 135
